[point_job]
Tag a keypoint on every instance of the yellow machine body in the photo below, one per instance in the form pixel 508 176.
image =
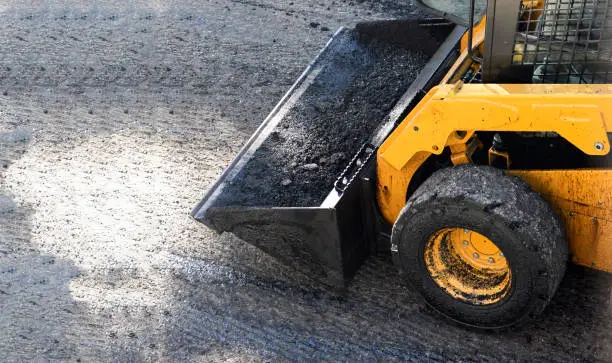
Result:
pixel 450 115
pixel 582 199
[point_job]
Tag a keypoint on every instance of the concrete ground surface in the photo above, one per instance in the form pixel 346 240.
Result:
pixel 114 119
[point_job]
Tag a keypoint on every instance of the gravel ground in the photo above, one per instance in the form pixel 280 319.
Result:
pixel 113 120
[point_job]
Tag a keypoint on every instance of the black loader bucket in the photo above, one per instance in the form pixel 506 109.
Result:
pixel 301 188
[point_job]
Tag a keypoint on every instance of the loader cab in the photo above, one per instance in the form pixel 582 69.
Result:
pixel 534 41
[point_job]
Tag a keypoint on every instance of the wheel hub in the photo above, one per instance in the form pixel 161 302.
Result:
pixel 467 266
pixel 478 250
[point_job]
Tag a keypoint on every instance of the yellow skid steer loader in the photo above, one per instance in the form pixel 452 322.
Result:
pixel 473 144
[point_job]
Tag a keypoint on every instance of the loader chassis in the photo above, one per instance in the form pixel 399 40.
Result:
pixel 468 239
pixel 579 113
pixel 576 48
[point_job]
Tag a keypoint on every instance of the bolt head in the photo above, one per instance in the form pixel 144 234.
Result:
pixel 475 255
pixel 466 243
pixel 501 254
pixel 599 146
pixel 465 230
pixel 491 260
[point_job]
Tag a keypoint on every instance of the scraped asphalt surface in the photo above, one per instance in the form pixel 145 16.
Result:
pixel 114 119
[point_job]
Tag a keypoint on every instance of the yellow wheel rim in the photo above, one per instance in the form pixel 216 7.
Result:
pixel 467 266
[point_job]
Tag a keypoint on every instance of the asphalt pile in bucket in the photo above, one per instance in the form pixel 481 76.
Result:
pixel 300 160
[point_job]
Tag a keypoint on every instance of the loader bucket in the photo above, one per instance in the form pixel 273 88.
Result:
pixel 301 188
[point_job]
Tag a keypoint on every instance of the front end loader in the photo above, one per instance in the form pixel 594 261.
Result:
pixel 472 145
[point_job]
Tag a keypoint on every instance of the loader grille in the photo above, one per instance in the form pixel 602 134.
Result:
pixel 565 41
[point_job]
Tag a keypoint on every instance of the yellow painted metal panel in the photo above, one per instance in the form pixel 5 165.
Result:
pixel 578 117
pixel 583 200
pixel 581 114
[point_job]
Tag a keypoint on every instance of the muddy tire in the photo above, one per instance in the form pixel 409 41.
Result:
pixel 482 202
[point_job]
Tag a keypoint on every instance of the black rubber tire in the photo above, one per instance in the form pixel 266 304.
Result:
pixel 504 209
